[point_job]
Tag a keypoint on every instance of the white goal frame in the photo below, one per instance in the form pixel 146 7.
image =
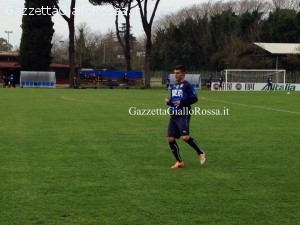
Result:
pixel 271 72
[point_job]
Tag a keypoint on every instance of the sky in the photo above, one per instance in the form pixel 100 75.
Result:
pixel 98 18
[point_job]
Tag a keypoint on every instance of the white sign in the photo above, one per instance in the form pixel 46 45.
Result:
pixel 255 86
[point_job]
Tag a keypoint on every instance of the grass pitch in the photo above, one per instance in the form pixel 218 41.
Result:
pixel 79 157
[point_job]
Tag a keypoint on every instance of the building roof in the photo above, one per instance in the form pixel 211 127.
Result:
pixel 280 48
pixel 16 65
pixel 10 65
pixel 16 54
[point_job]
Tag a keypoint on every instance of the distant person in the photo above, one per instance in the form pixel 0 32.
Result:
pixel 270 83
pixel 208 83
pixel 220 80
pixel 11 81
pixel 75 84
pixel 94 79
pixel 4 81
pixel 125 78
pixel 168 82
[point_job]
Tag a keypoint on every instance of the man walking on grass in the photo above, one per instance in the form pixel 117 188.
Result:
pixel 182 97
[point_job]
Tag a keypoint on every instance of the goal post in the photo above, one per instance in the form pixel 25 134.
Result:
pixel 248 76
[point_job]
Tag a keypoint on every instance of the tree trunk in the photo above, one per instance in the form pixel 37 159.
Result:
pixel 147 28
pixel 148 61
pixel 127 42
pixel 71 25
pixel 72 52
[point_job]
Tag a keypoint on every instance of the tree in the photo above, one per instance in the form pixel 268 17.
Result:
pixel 3 45
pixel 125 42
pixel 84 60
pixel 222 26
pixel 147 25
pixel 297 21
pixel 280 26
pixel 123 33
pixel 71 25
pixel 249 24
pixel 59 49
pixel 221 35
pixel 167 48
pixel 37 32
pixel 286 4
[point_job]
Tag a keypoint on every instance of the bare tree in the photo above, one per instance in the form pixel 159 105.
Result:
pixel 59 49
pixel 139 53
pixel 125 43
pixel 94 49
pixel 216 8
pixel 71 25
pixel 124 7
pixel 147 25
pixel 197 11
pixel 286 4
pixel 251 5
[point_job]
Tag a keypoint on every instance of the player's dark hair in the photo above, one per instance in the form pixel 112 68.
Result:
pixel 180 67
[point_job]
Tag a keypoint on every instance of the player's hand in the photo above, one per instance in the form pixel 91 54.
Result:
pixel 167 100
pixel 176 103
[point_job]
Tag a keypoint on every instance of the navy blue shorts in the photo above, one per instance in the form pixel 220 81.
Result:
pixel 179 126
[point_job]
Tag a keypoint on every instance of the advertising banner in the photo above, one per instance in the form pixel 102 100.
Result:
pixel 255 86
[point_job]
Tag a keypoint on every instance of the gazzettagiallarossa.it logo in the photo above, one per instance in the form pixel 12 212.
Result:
pixel 65 11
pixel 197 111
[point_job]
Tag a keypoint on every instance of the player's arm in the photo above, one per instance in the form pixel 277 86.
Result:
pixel 191 97
pixel 188 101
pixel 168 101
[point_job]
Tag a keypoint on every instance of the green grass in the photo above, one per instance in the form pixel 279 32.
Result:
pixel 78 157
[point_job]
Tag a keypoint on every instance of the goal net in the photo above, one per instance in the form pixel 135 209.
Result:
pixel 252 76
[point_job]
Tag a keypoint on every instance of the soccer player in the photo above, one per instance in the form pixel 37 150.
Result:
pixel 12 81
pixel 220 80
pixel 182 97
pixel 168 82
pixel 125 78
pixel 208 83
pixel 4 81
pixel 270 83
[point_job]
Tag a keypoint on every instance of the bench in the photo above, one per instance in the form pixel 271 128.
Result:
pixel 113 83
pixel 111 79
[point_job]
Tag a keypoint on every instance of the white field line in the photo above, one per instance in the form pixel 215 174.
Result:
pixel 252 106
pixel 76 100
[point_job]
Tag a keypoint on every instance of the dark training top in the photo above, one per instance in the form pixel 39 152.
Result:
pixel 269 80
pixel 185 93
